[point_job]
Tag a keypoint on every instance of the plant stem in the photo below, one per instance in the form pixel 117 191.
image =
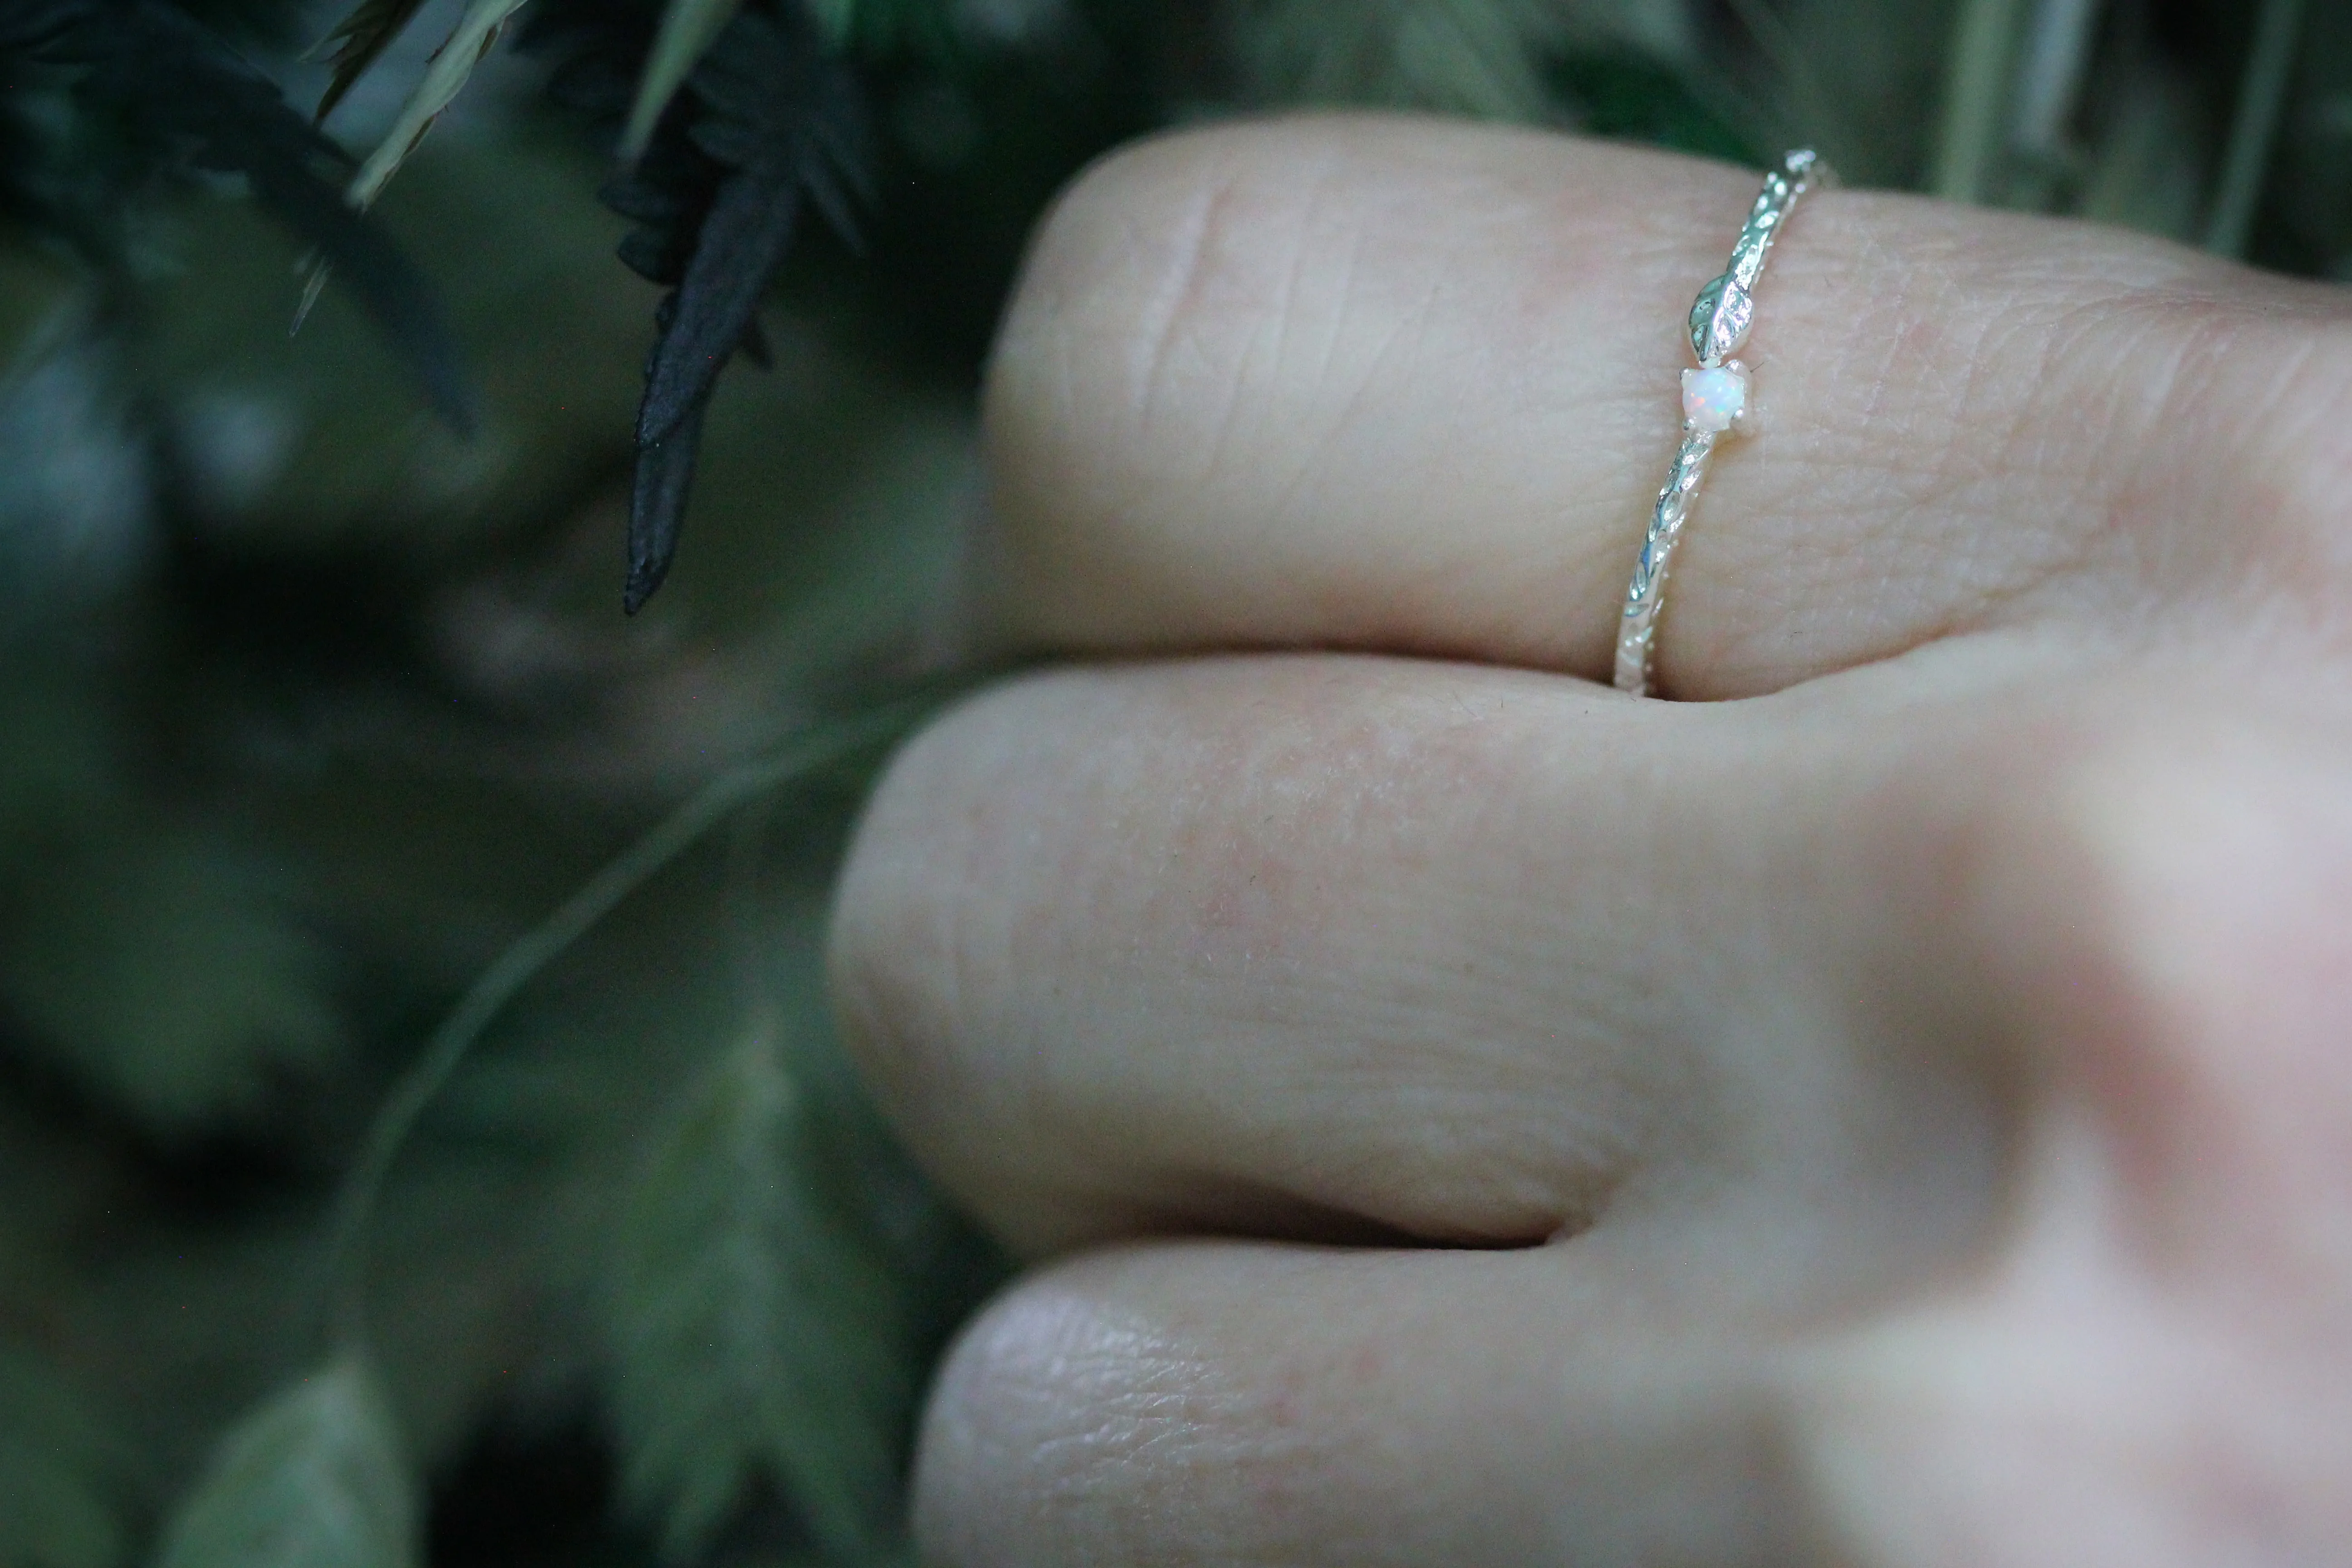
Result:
pixel 515 968
pixel 2050 73
pixel 1976 98
pixel 1821 127
pixel 2262 103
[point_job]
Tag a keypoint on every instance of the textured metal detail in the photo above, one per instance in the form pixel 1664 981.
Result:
pixel 1637 635
pixel 1719 321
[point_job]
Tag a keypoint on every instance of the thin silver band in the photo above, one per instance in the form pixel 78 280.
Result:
pixel 1720 321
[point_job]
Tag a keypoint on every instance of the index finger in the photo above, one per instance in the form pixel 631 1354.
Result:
pixel 1410 386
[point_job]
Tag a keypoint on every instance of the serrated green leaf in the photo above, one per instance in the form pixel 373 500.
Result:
pixel 173 84
pixel 357 41
pixel 687 28
pixel 313 1478
pixel 757 1328
pixel 475 34
pixel 60 1472
pixel 783 120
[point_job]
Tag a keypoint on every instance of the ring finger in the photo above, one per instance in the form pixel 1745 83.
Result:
pixel 1398 385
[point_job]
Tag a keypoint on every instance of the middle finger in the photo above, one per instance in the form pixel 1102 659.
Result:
pixel 1349 947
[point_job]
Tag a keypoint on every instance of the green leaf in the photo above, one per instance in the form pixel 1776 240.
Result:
pixel 758 1326
pixel 357 41
pixel 313 1478
pixel 687 28
pixel 783 120
pixel 165 973
pixel 60 1472
pixel 187 101
pixel 475 34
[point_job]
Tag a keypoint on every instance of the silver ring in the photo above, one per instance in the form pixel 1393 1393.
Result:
pixel 1716 402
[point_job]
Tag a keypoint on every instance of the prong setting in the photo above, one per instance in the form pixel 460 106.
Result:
pixel 1716 397
pixel 1743 418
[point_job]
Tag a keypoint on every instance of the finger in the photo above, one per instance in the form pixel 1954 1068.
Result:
pixel 1345 946
pixel 2141 1354
pixel 1219 1404
pixel 1408 386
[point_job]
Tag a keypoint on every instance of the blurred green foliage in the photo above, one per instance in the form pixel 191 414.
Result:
pixel 310 710
pixel 313 1476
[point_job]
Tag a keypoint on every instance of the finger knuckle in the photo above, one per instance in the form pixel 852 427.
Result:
pixel 2061 856
pixel 906 944
pixel 1139 265
pixel 2219 415
pixel 2157 894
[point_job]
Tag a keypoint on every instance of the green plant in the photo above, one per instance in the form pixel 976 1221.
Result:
pixel 413 1050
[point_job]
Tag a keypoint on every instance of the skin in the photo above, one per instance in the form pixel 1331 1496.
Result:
pixel 1892 1106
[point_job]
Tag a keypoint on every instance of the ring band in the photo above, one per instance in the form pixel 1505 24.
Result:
pixel 1716 402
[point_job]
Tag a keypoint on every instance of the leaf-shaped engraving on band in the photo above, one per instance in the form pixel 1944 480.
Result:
pixel 1719 320
pixel 1726 308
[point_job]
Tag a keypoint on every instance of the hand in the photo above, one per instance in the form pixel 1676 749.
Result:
pixel 1902 1116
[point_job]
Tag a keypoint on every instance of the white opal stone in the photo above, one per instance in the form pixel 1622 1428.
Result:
pixel 1714 398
